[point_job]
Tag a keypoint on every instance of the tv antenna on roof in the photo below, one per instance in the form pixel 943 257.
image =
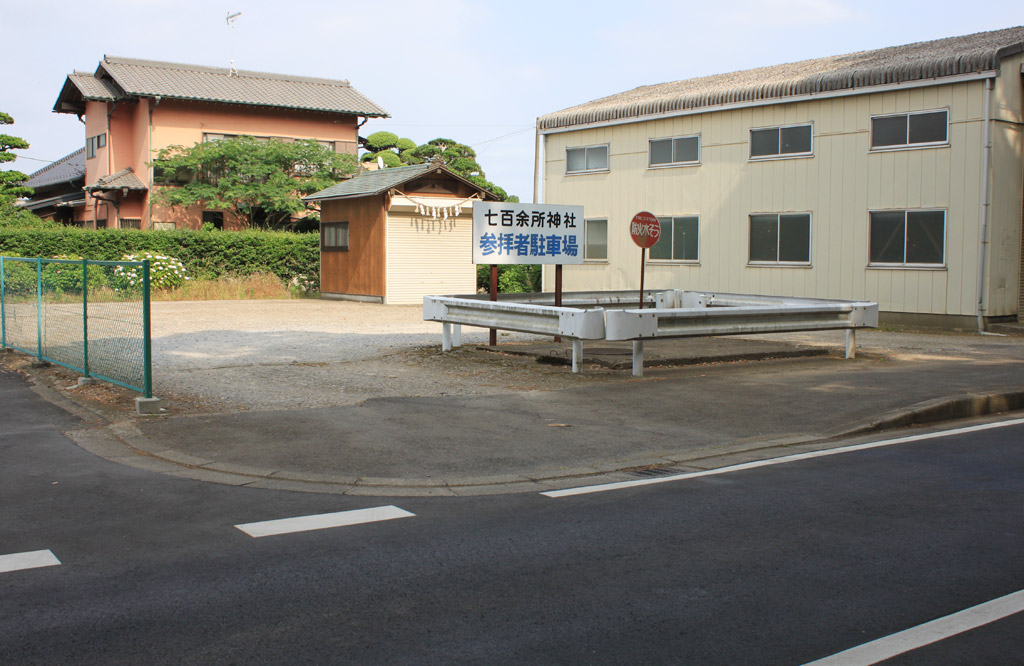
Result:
pixel 231 22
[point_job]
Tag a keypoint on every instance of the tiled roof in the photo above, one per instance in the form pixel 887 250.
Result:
pixel 69 199
pixel 65 170
pixel 952 56
pixel 118 78
pixel 371 182
pixel 94 87
pixel 123 179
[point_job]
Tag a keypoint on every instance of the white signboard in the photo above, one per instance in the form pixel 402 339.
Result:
pixel 527 233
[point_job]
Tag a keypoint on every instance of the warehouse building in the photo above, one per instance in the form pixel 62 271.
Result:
pixel 892 175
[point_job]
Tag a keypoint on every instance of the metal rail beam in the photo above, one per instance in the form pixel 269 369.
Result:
pixel 677 314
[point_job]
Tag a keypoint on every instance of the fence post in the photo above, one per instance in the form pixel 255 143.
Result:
pixel 39 308
pixel 147 338
pixel 3 313
pixel 85 317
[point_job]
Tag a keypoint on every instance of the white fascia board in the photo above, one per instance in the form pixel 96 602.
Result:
pixel 850 92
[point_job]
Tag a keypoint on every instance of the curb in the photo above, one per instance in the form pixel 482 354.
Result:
pixel 124 443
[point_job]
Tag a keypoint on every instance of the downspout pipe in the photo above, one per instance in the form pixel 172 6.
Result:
pixel 986 152
pixel 149 194
pixel 110 158
pixel 538 180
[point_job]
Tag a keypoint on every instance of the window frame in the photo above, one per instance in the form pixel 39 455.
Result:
pixel 763 263
pixel 586 235
pixel 324 247
pixel 608 159
pixel 673 259
pixel 672 165
pixel 751 157
pixel 906 146
pixel 904 265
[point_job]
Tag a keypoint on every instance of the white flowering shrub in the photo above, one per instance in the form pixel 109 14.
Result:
pixel 303 285
pixel 164 272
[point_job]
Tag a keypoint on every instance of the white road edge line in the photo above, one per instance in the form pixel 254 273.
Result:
pixel 620 485
pixel 323 521
pixel 30 560
pixel 927 633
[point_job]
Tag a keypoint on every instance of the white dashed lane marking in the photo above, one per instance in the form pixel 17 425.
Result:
pixel 927 633
pixel 323 521
pixel 30 560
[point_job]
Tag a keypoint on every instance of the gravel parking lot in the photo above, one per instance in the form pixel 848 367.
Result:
pixel 226 356
pixel 317 353
pixel 240 355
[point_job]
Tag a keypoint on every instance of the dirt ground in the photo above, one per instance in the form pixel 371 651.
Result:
pixel 223 356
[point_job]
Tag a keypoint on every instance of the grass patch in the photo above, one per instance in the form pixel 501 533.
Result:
pixel 249 287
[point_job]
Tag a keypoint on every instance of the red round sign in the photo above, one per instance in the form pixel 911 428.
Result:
pixel 645 229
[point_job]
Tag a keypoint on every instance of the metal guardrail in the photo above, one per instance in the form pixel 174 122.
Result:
pixel 583 299
pixel 573 323
pixel 676 314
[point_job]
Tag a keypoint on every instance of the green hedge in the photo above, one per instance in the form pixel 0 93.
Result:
pixel 206 254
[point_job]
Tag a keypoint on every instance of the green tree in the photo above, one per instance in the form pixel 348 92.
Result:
pixel 457 157
pixel 390 149
pixel 244 175
pixel 11 182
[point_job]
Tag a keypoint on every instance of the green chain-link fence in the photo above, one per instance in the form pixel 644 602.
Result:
pixel 89 316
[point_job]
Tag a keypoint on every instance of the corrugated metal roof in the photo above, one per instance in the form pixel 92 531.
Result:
pixel 128 77
pixel 369 183
pixel 123 179
pixel 65 170
pixel 979 52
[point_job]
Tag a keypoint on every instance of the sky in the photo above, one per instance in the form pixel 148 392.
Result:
pixel 479 73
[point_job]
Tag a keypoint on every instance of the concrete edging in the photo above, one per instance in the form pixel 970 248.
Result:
pixel 124 443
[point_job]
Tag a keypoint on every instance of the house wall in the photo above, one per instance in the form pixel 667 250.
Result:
pixel 359 271
pixel 131 141
pixel 428 256
pixel 177 122
pixel 838 186
pixel 98 166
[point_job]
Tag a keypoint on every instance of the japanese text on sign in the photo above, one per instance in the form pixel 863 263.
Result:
pixel 526 233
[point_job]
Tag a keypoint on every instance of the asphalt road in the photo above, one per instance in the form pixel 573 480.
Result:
pixel 782 564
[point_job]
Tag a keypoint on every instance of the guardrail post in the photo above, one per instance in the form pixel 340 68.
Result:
pixel 446 337
pixel 456 335
pixel 851 343
pixel 85 318
pixel 638 358
pixel 577 355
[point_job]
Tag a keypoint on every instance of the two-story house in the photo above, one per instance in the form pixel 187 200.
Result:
pixel 133 108
pixel 892 175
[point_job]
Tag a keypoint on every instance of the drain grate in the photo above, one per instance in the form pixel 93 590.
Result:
pixel 655 471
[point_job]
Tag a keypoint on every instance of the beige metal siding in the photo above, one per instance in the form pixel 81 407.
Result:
pixel 1005 284
pixel 428 257
pixel 838 186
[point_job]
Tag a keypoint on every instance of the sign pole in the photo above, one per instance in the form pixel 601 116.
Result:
pixel 645 229
pixel 493 338
pixel 558 292
pixel 643 264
